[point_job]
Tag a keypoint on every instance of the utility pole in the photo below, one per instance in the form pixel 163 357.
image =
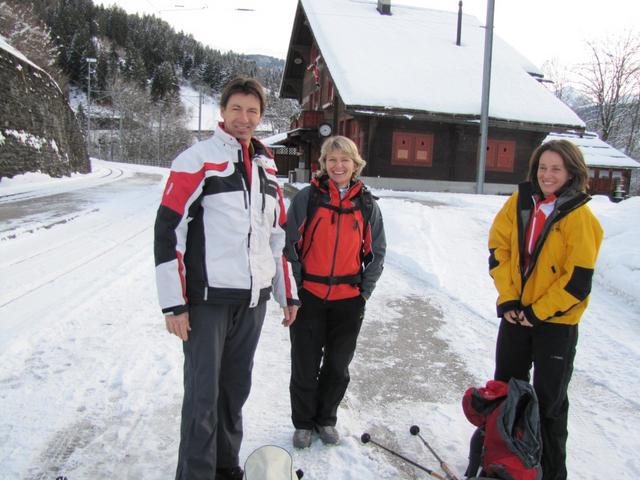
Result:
pixel 90 61
pixel 199 114
pixel 159 137
pixel 486 88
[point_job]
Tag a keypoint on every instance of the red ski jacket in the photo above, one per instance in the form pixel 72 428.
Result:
pixel 338 252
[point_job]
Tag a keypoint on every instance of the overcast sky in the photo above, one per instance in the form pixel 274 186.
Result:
pixel 540 29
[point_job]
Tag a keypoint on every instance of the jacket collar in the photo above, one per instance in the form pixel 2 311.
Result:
pixel 325 184
pixel 567 201
pixel 256 145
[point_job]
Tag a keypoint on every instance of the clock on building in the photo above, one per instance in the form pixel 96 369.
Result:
pixel 324 129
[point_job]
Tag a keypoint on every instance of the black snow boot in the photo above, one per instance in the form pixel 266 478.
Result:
pixel 233 473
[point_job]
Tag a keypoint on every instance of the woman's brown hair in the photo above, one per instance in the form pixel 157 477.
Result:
pixel 571 157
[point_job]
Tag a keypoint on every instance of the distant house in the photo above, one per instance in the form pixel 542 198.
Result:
pixel 409 95
pixel 609 169
pixel 286 157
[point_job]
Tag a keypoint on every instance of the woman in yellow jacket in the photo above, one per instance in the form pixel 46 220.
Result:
pixel 543 247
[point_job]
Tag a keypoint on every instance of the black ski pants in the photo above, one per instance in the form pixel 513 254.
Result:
pixel 218 360
pixel 551 348
pixel 323 342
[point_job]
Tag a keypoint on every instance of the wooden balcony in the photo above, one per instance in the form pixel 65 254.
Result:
pixel 308 119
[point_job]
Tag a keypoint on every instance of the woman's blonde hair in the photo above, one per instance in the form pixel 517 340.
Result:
pixel 344 145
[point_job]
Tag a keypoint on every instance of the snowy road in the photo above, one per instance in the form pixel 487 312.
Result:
pixel 90 382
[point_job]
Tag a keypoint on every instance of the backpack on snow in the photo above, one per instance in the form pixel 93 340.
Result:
pixel 507 443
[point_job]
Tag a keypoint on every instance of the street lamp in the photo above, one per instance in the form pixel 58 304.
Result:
pixel 90 60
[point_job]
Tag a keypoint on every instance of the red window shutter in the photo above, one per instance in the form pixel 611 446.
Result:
pixel 328 90
pixel 506 156
pixel 414 149
pixel 501 155
pixel 424 149
pixel 403 146
pixel 492 154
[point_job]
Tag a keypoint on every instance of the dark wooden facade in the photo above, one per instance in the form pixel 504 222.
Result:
pixel 455 151
pixel 452 139
pixel 605 180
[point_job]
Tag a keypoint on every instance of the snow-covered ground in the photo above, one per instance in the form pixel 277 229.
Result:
pixel 90 381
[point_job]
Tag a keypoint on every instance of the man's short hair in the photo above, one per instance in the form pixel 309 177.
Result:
pixel 246 86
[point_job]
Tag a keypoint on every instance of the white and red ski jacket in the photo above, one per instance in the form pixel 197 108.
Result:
pixel 217 241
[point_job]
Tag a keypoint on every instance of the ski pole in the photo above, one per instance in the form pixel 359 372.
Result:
pixel 366 438
pixel 415 430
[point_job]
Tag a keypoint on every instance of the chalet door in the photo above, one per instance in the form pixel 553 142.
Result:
pixel 603 184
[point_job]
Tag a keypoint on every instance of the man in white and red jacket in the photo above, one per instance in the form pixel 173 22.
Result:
pixel 219 236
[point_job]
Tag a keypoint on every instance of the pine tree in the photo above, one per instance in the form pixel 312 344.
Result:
pixel 164 83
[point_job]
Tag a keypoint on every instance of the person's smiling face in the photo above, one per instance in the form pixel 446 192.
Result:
pixel 241 116
pixel 552 173
pixel 340 168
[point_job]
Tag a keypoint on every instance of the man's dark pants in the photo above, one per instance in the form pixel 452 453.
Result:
pixel 551 348
pixel 218 359
pixel 327 333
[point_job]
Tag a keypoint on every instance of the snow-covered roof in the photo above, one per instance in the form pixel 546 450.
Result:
pixel 274 140
pixel 410 60
pixel 596 152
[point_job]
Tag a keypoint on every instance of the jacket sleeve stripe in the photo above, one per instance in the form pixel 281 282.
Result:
pixel 181 186
pixel 181 273
pixel 282 220
pixel 289 282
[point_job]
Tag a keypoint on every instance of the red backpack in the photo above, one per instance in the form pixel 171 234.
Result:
pixel 507 442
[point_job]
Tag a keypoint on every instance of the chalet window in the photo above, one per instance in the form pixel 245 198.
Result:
pixel 327 91
pixel 415 149
pixel 352 130
pixel 315 100
pixel 501 155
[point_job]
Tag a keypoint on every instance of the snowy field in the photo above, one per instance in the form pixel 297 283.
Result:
pixel 90 381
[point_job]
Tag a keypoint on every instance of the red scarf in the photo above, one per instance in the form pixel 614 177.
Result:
pixel 542 208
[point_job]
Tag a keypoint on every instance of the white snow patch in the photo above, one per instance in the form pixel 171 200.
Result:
pixel 90 381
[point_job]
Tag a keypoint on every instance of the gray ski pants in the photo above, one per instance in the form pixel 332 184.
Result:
pixel 218 359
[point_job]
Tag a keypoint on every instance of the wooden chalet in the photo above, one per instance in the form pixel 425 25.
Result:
pixel 405 84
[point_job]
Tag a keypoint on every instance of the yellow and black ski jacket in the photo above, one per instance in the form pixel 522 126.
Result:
pixel 556 285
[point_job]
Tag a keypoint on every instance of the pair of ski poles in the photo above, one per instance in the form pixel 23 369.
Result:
pixel 415 430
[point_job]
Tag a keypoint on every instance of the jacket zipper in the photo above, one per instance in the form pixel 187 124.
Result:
pixel 335 250
pixel 244 175
pixel 554 218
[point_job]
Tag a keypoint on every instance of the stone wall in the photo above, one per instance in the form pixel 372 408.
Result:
pixel 38 129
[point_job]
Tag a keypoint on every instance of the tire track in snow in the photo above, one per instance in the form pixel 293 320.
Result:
pixel 112 174
pixel 59 275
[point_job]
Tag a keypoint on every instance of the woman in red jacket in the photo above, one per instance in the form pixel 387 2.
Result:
pixel 336 246
pixel 543 247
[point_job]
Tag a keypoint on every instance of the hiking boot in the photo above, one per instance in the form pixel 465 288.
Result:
pixel 302 438
pixel 233 473
pixel 329 435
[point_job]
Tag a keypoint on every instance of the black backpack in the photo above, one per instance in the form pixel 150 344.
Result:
pixel 365 197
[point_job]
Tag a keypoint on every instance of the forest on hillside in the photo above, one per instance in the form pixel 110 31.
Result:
pixel 140 63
